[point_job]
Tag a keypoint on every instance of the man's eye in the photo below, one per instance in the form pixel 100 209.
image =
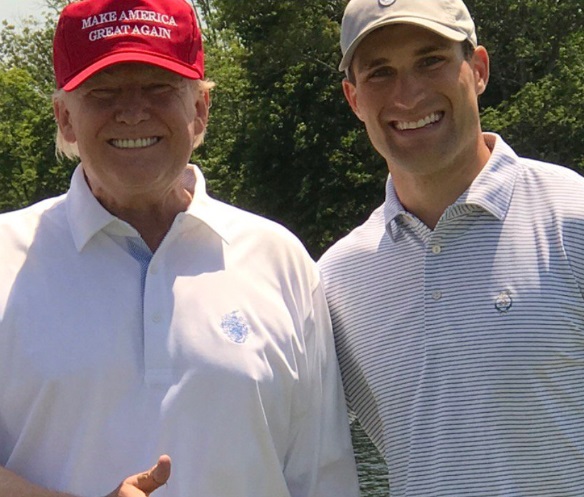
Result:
pixel 381 72
pixel 431 61
pixel 103 93
pixel 159 88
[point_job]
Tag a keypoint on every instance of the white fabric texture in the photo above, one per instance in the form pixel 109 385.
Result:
pixel 462 348
pixel 227 364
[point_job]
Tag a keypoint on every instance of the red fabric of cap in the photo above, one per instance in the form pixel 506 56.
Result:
pixel 94 34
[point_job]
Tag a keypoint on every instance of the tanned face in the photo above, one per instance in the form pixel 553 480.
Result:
pixel 417 94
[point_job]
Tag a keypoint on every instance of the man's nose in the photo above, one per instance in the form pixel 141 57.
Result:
pixel 408 91
pixel 133 107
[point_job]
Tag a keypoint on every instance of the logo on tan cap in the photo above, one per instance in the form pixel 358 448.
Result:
pixel 447 18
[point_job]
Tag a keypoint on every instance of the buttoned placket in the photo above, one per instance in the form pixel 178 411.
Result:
pixel 433 253
pixel 438 277
pixel 432 241
pixel 157 313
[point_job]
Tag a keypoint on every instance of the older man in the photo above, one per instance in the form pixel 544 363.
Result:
pixel 141 319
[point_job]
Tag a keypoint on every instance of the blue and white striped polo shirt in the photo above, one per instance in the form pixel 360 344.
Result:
pixel 462 348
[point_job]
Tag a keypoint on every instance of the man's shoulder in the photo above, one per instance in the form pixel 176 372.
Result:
pixel 551 171
pixel 25 222
pixel 241 222
pixel 352 248
pixel 263 238
pixel 553 184
pixel 38 228
pixel 269 247
pixel 538 172
pixel 538 182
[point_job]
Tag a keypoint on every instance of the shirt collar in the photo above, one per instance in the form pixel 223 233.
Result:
pixel 393 209
pixel 203 207
pixel 491 190
pixel 493 187
pixel 87 216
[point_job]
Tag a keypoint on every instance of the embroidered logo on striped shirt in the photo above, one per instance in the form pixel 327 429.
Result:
pixel 503 302
pixel 235 326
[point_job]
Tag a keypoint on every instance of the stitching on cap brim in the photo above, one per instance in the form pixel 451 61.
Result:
pixel 129 57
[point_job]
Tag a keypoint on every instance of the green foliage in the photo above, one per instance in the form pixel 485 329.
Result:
pixel 225 66
pixel 524 38
pixel 545 119
pixel 296 153
pixel 281 139
pixel 29 47
pixel 29 170
pixel 300 156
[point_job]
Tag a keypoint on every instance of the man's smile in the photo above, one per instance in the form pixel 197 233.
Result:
pixel 432 118
pixel 134 143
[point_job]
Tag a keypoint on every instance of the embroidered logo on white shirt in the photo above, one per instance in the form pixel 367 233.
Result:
pixel 235 326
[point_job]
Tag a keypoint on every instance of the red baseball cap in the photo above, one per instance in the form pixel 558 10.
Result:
pixel 94 34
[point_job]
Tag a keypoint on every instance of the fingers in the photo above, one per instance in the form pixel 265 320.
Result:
pixel 152 479
pixel 160 472
pixel 156 476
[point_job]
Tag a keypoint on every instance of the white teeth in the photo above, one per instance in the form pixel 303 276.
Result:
pixel 139 143
pixel 432 118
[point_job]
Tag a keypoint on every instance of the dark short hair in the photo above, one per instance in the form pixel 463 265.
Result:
pixel 468 49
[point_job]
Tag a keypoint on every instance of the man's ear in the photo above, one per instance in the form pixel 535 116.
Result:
pixel 202 105
pixel 350 91
pixel 480 65
pixel 63 118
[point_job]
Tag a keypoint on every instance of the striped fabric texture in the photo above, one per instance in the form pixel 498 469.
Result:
pixel 462 348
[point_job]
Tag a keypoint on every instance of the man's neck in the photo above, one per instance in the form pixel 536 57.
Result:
pixel 428 196
pixel 150 212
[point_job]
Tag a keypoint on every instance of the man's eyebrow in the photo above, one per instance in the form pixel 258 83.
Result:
pixel 379 61
pixel 435 47
pixel 425 50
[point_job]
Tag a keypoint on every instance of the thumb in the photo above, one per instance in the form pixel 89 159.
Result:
pixel 154 478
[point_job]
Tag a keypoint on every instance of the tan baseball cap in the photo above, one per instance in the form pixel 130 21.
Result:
pixel 448 18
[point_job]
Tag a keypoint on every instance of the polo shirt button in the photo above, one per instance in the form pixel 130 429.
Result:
pixel 153 269
pixel 437 295
pixel 436 249
pixel 156 318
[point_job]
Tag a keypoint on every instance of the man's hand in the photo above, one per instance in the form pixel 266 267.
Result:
pixel 143 484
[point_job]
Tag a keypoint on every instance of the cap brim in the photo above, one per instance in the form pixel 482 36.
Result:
pixel 440 29
pixel 121 57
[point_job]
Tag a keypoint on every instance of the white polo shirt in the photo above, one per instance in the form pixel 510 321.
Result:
pixel 224 359
pixel 462 348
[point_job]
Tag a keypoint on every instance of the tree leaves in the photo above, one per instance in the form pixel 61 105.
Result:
pixel 281 140
pixel 545 118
